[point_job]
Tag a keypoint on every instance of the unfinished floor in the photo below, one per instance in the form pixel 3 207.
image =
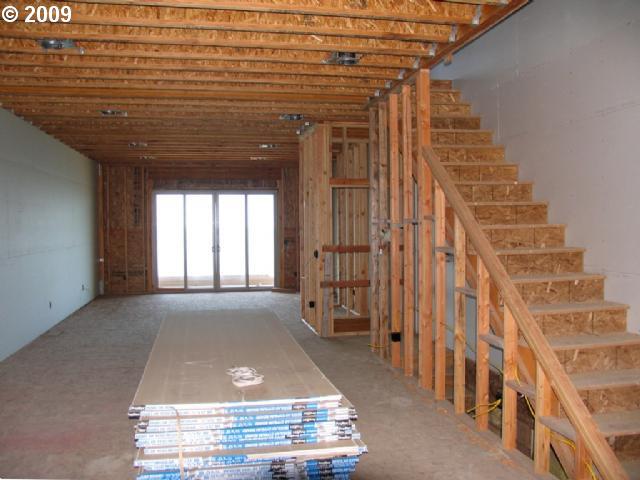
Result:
pixel 76 382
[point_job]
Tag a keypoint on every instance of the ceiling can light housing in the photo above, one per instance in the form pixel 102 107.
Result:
pixel 60 44
pixel 108 112
pixel 291 116
pixel 343 58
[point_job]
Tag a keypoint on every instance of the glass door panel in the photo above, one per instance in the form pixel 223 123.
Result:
pixel 199 228
pixel 170 240
pixel 232 240
pixel 261 242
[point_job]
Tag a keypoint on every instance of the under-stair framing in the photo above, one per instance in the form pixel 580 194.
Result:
pixel 564 348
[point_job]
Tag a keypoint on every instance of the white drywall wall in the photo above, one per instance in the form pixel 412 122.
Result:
pixel 47 232
pixel 559 82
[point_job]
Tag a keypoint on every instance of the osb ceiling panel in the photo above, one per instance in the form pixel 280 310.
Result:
pixel 191 82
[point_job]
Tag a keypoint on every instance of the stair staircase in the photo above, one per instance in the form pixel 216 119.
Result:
pixel 587 332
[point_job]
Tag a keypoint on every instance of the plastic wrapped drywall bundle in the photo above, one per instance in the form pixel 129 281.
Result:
pixel 231 395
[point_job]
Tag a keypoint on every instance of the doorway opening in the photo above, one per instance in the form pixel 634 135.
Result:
pixel 214 240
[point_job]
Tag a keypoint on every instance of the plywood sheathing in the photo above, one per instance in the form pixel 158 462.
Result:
pixel 197 65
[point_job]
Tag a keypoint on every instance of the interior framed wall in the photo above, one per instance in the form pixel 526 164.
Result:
pixel 334 228
pixel 126 231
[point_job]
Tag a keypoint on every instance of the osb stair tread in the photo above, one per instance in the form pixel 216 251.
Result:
pixel 511 226
pixel 606 379
pixel 556 277
pixel 455 115
pixel 585 341
pixel 453 101
pixel 615 424
pixel 508 183
pixel 500 203
pixel 466 145
pixel 538 251
pixel 462 130
pixel 522 387
pixel 497 163
pixel 553 308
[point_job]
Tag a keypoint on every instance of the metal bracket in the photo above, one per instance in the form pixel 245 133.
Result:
pixel 454 34
pixel 477 16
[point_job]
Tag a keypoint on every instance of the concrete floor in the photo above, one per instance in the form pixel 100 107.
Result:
pixel 64 397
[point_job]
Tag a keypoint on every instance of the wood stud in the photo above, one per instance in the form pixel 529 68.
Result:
pixel 408 257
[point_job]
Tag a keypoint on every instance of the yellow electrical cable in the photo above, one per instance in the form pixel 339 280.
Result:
pixel 490 408
pixel 559 437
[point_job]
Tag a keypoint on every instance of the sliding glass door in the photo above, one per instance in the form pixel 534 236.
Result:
pixel 232 230
pixel 215 240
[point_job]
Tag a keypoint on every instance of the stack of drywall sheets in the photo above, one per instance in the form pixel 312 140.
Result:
pixel 194 423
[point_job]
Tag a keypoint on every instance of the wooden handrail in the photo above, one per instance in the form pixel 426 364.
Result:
pixel 601 453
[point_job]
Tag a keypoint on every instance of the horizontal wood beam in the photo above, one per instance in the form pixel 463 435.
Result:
pixel 349 182
pixel 435 12
pixel 290 78
pixel 344 283
pixel 13 89
pixel 169 103
pixel 346 248
pixel 196 53
pixel 240 87
pixel 168 36
pixel 188 65
pixel 262 22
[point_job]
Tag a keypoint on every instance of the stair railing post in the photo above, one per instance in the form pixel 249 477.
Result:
pixel 510 374
pixel 460 340
pixel 582 461
pixel 482 347
pixel 542 443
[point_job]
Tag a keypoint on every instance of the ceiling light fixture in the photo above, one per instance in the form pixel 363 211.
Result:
pixel 343 58
pixel 138 145
pixel 60 44
pixel 113 113
pixel 291 116
pixel 257 158
pixel 147 157
pixel 267 146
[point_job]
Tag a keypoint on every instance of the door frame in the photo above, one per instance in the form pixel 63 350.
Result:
pixel 216 253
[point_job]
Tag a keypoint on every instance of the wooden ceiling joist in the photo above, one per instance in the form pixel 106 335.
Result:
pixel 240 94
pixel 262 22
pixel 423 12
pixel 224 105
pixel 199 52
pixel 183 77
pixel 187 66
pixel 172 36
pixel 206 82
